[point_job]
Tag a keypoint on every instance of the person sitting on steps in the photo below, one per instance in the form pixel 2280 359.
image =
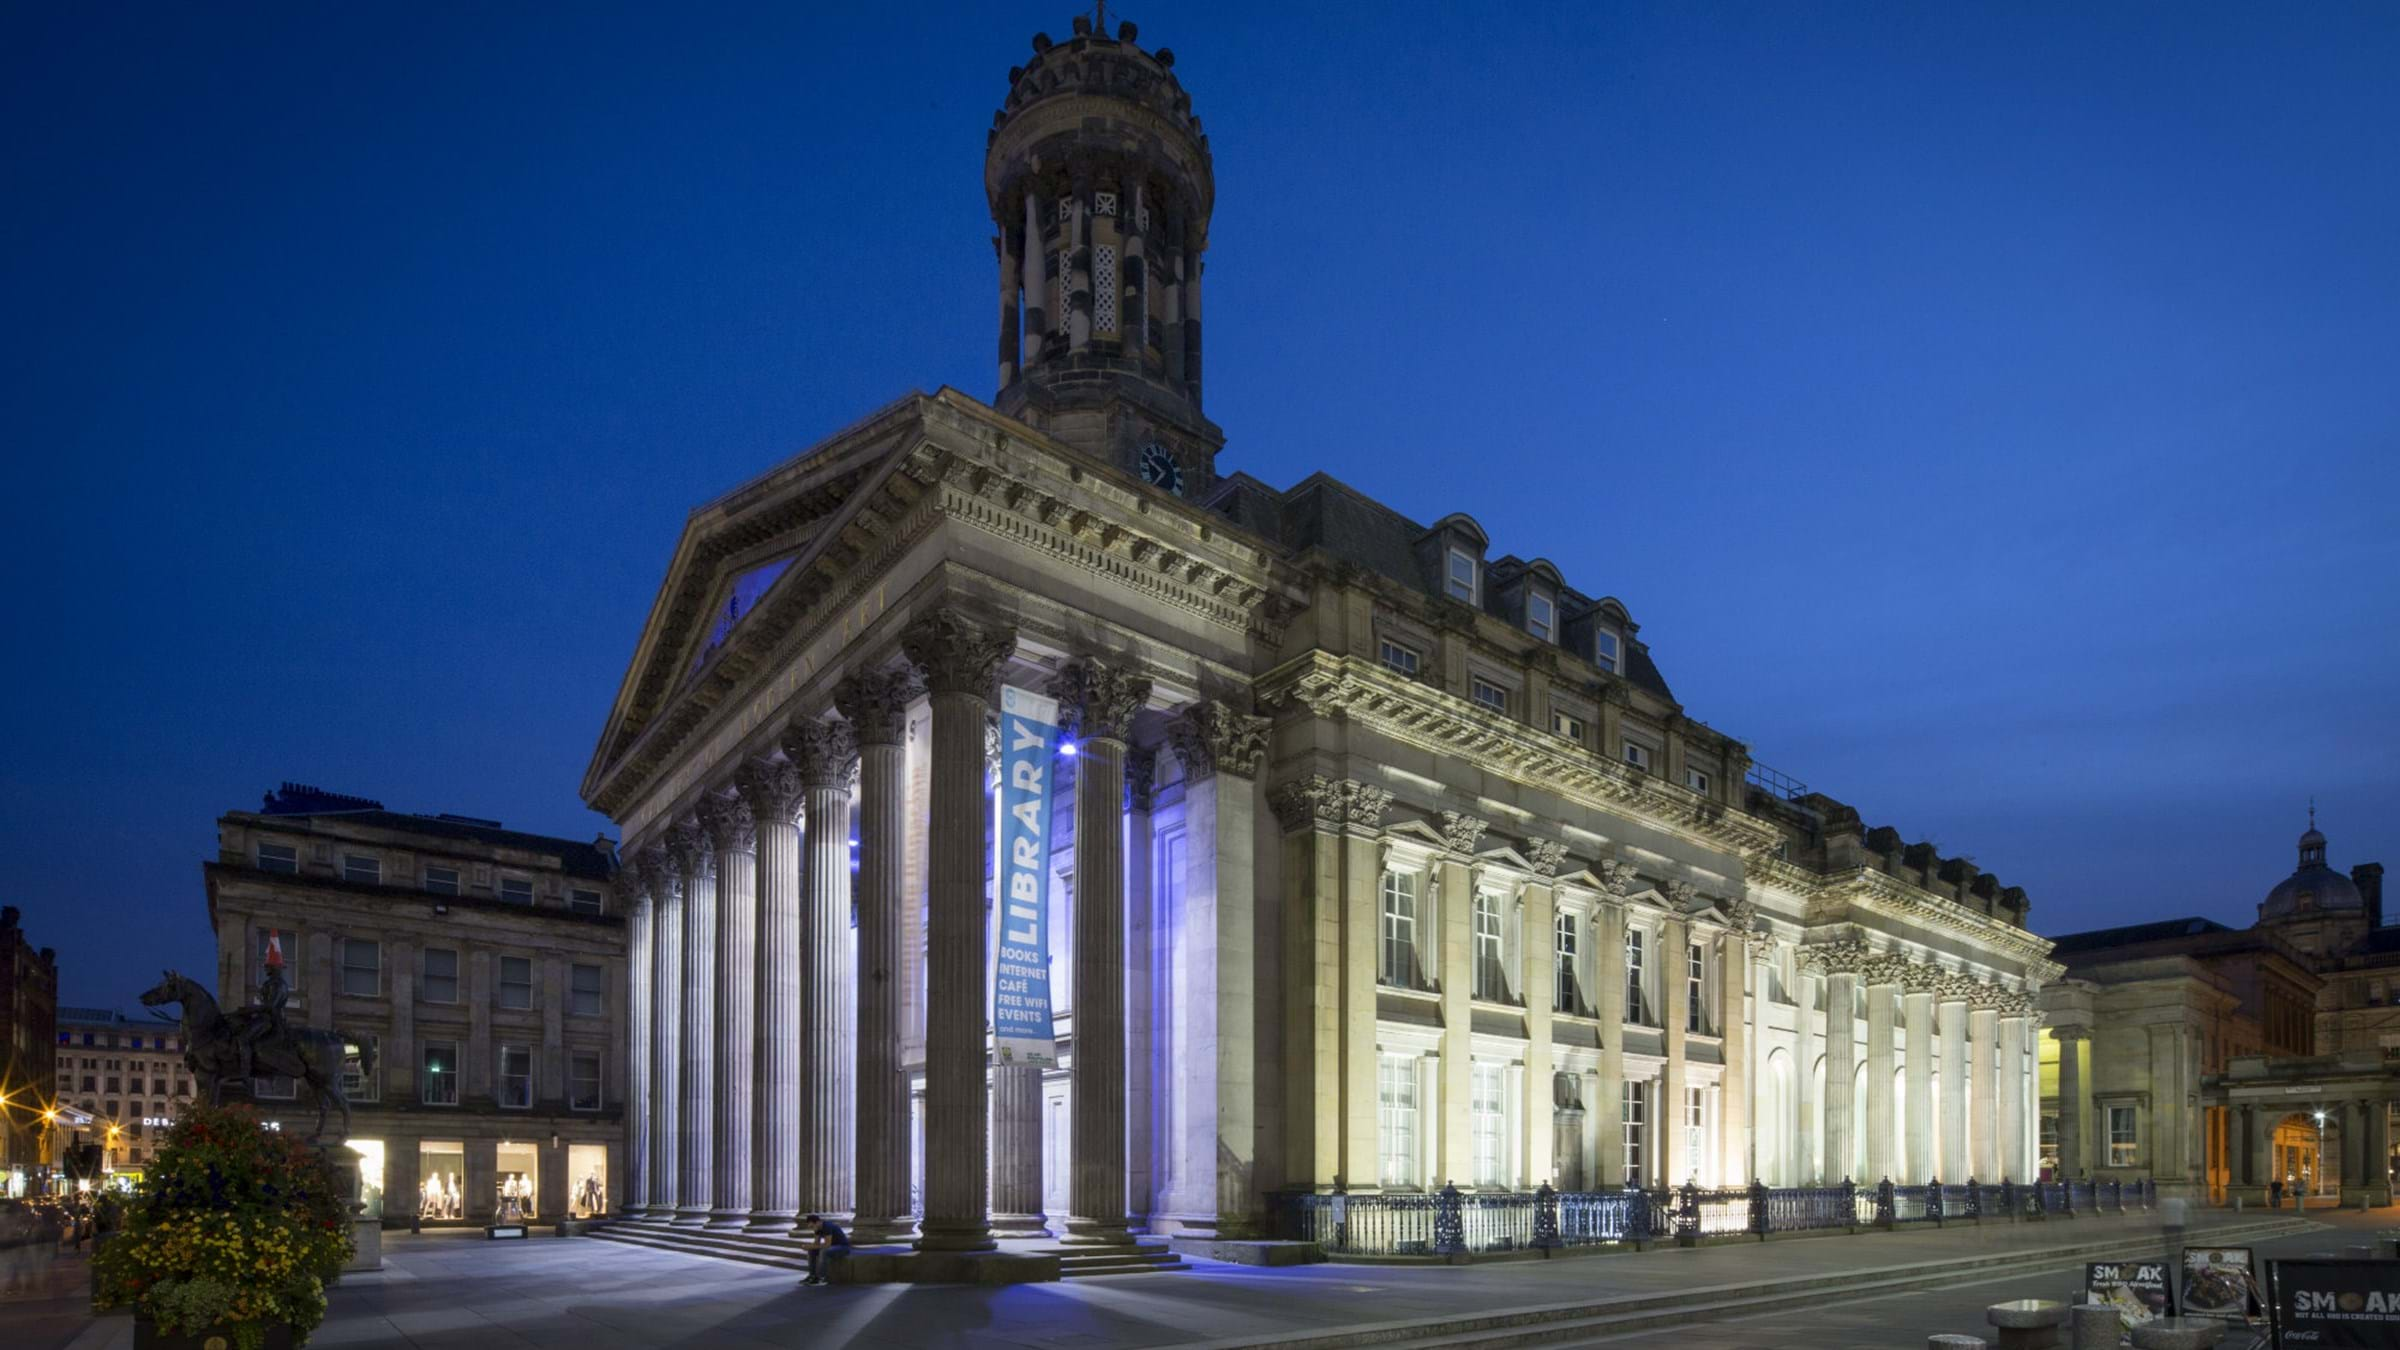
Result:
pixel 827 1244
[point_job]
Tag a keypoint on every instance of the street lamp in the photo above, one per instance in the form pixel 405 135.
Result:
pixel 2320 1152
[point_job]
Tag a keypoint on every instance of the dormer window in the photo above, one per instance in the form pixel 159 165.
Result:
pixel 1606 653
pixel 1462 576
pixel 1696 781
pixel 1541 616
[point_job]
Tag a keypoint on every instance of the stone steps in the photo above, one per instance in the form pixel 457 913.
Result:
pixel 785 1252
pixel 1579 1322
pixel 1140 1259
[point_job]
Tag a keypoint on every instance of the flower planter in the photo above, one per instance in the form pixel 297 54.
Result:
pixel 148 1337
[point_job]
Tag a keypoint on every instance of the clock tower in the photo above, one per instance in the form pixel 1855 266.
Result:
pixel 1100 188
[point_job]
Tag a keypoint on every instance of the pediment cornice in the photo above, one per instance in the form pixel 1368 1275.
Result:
pixel 1868 891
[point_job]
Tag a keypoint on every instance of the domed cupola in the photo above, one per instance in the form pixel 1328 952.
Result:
pixel 2314 888
pixel 1100 186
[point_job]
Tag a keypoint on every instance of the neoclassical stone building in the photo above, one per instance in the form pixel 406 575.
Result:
pixel 1381 859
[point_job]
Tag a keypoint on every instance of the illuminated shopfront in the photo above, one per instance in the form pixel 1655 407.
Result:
pixel 518 1167
pixel 370 1177
pixel 587 1180
pixel 441 1180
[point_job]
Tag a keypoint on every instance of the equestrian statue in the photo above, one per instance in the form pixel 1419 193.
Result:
pixel 238 1046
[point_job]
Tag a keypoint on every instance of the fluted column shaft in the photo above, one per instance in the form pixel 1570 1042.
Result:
pixel 632 1191
pixel 828 1101
pixel 1917 1013
pixel 959 659
pixel 1841 1072
pixel 2071 1160
pixel 1016 1123
pixel 772 789
pixel 1983 1109
pixel 1882 1129
pixel 2010 1085
pixel 1956 1163
pixel 666 1048
pixel 696 1121
pixel 732 835
pixel 1608 929
pixel 876 706
pixel 1102 700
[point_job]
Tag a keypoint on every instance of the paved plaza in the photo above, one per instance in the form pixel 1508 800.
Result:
pixel 459 1290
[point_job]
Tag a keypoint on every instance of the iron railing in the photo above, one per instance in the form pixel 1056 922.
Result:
pixel 1451 1222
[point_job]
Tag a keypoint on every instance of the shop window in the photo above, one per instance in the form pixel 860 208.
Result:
pixel 516 1077
pixel 516 982
pixel 370 1176
pixel 583 1080
pixel 437 1083
pixel 587 1172
pixel 514 1200
pixel 442 1175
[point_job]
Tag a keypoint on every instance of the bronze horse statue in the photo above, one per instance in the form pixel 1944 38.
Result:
pixel 212 1048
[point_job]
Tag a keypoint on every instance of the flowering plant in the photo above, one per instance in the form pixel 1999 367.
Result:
pixel 235 1226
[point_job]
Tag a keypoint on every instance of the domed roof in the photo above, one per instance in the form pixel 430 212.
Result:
pixel 2315 887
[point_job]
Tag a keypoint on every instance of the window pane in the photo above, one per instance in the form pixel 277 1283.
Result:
pixel 516 982
pixel 361 868
pixel 583 1081
pixel 584 991
pixel 516 1076
pixel 362 968
pixel 516 890
pixel 278 858
pixel 1537 616
pixel 1399 930
pixel 441 880
pixel 1604 651
pixel 584 902
pixel 441 975
pixel 1462 576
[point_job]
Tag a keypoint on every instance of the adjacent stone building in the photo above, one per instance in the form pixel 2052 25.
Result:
pixel 1383 858
pixel 2223 1060
pixel 479 974
pixel 128 1076
pixel 28 1048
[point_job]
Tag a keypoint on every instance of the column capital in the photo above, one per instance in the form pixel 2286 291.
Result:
pixel 1097 699
pixel 2065 1034
pixel 728 825
pixel 1545 855
pixel 1327 804
pixel 955 654
pixel 688 850
pixel 1461 832
pixel 771 788
pixel 875 704
pixel 1141 778
pixel 824 751
pixel 1210 736
pixel 1617 878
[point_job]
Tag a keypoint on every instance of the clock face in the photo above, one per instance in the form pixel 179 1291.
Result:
pixel 1160 470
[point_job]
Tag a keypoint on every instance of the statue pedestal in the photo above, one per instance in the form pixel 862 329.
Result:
pixel 368 1233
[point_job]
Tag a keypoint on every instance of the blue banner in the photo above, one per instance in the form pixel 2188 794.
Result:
pixel 1021 1028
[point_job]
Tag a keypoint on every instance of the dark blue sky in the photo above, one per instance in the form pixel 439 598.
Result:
pixel 1988 413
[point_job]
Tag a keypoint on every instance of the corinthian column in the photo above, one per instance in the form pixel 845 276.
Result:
pixel 732 838
pixel 2009 1086
pixel 771 789
pixel 695 1120
pixel 1984 1025
pixel 1956 1163
pixel 1220 748
pixel 633 1189
pixel 1016 1122
pixel 1917 1014
pixel 1882 1064
pixel 959 660
pixel 876 706
pixel 825 753
pixel 666 1048
pixel 1841 1060
pixel 1098 702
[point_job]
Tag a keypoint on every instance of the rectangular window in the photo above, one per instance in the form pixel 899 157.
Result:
pixel 1402 659
pixel 362 967
pixel 437 1084
pixel 583 1080
pixel 1541 619
pixel 1695 1124
pixel 1396 1096
pixel 1399 966
pixel 361 868
pixel 1695 984
pixel 516 891
pixel 1635 1010
pixel 583 991
pixel 286 945
pixel 2049 1142
pixel 1637 755
pixel 1696 781
pixel 583 901
pixel 516 982
pixel 1491 977
pixel 2124 1145
pixel 1605 651
pixel 1566 724
pixel 1636 1118
pixel 357 1084
pixel 278 858
pixel 441 880
pixel 441 975
pixel 1490 1105
pixel 1462 575
pixel 516 1078
pixel 1490 695
pixel 1568 997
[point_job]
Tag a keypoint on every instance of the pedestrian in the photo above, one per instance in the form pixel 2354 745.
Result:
pixel 827 1244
